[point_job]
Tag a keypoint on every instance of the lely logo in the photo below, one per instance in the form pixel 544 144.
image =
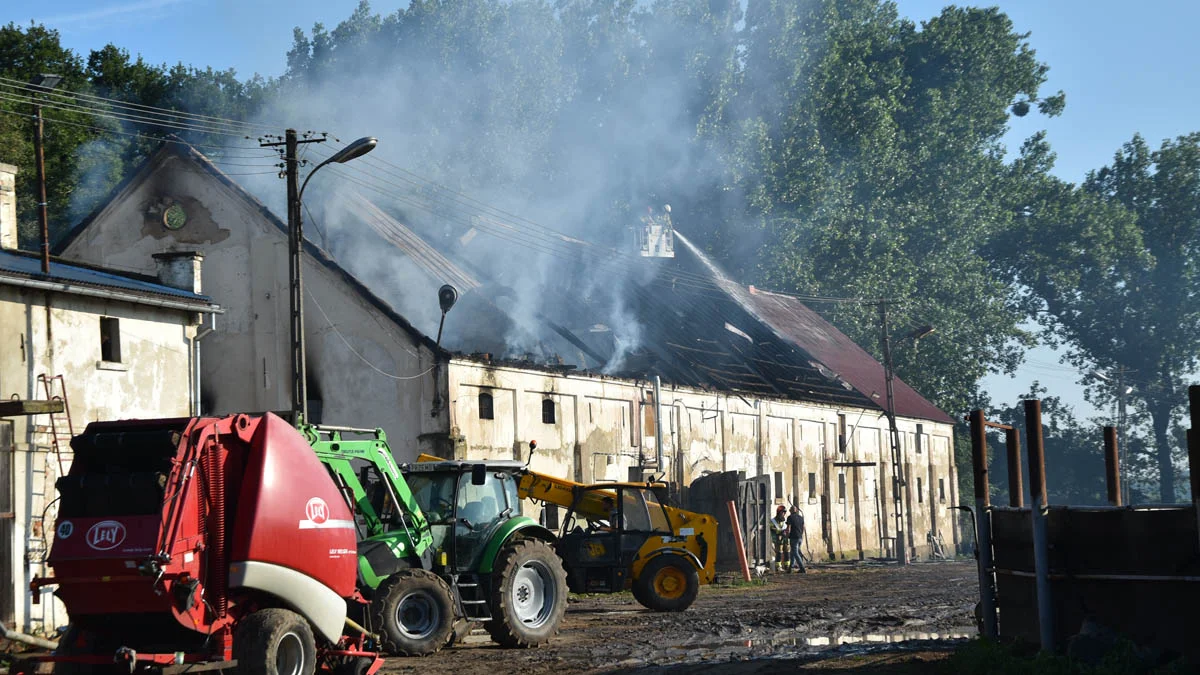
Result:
pixel 317 510
pixel 106 535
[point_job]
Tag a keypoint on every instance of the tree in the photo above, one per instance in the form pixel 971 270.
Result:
pixel 1115 264
pixel 869 154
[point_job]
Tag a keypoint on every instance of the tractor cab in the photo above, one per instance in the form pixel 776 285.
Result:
pixel 466 504
pixel 605 528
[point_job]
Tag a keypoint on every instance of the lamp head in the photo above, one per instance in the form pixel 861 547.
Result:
pixel 355 150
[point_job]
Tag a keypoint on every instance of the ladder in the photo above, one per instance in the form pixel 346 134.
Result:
pixel 58 435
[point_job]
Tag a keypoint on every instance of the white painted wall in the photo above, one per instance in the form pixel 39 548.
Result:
pixel 603 423
pixel 54 333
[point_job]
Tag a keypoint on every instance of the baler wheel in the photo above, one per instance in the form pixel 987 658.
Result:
pixel 274 642
pixel 668 583
pixel 70 644
pixel 416 610
pixel 529 594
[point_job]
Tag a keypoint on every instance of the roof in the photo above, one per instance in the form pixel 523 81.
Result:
pixel 25 265
pixel 717 335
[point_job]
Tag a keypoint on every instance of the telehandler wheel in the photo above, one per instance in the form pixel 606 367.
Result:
pixel 529 594
pixel 416 610
pixel 274 642
pixel 668 583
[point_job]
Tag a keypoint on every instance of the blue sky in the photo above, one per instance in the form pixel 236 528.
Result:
pixel 1125 67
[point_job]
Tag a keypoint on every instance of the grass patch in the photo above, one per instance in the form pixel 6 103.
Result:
pixel 984 657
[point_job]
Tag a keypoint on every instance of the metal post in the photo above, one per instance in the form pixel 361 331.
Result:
pixel 43 216
pixel 658 435
pixel 1112 466
pixel 1041 547
pixel 897 459
pixel 295 278
pixel 1193 442
pixel 1016 484
pixel 983 525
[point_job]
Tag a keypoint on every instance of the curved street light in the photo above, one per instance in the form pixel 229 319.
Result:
pixel 295 249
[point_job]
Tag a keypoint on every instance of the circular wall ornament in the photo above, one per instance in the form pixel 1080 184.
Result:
pixel 174 217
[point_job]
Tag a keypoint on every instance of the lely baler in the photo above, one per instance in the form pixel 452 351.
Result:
pixel 204 543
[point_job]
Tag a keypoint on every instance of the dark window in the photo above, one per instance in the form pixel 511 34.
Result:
pixel 842 486
pixel 547 411
pixel 779 484
pixel 110 339
pixel 920 432
pixel 941 489
pixel 485 407
pixel 550 517
pixel 812 486
pixel 842 433
pixel 920 492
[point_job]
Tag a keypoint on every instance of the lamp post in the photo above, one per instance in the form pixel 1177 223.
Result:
pixel 295 252
pixel 42 83
pixel 898 480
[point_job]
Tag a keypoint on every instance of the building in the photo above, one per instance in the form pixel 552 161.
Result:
pixel 751 381
pixel 105 344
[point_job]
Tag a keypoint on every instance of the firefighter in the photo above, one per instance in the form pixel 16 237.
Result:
pixel 779 538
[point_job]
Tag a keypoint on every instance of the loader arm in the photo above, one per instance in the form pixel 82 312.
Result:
pixel 339 453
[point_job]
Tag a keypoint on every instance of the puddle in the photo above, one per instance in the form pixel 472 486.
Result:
pixel 839 640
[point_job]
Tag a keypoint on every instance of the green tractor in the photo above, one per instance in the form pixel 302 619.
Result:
pixel 443 546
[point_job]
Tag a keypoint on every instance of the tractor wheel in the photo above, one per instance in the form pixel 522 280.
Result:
pixel 354 666
pixel 668 583
pixel 416 611
pixel 529 594
pixel 274 642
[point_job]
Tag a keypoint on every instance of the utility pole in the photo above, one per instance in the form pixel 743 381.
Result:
pixel 295 195
pixel 898 482
pixel 295 271
pixel 42 83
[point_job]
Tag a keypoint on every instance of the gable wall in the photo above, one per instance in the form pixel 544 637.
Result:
pixel 364 369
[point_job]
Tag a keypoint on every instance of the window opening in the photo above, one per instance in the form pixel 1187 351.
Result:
pixel 110 339
pixel 485 407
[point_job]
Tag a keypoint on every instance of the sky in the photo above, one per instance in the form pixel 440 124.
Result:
pixel 1125 67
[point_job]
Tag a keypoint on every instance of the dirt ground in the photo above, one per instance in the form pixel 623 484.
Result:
pixel 860 618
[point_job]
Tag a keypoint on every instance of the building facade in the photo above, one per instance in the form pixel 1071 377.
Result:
pixel 112 346
pixel 816 436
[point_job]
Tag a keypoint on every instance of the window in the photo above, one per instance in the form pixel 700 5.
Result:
pixel 942 490
pixel 547 411
pixel 812 486
pixel 920 491
pixel 550 517
pixel 841 487
pixel 779 484
pixel 842 434
pixel 920 431
pixel 485 407
pixel 110 339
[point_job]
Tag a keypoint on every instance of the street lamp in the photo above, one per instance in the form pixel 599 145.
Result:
pixel 42 83
pixel 898 480
pixel 295 249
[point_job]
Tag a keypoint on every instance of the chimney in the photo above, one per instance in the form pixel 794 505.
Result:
pixel 8 206
pixel 180 269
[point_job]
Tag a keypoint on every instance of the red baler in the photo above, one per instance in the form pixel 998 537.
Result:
pixel 185 544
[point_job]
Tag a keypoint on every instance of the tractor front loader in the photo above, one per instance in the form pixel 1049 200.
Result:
pixel 194 544
pixel 443 546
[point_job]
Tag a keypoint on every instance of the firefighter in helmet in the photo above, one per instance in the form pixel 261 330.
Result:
pixel 779 538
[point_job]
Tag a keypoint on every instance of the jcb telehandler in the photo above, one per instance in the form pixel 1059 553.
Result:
pixel 443 545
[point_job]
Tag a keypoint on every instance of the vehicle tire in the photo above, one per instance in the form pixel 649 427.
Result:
pixel 274 642
pixel 668 583
pixel 70 644
pixel 354 666
pixel 638 595
pixel 414 611
pixel 529 594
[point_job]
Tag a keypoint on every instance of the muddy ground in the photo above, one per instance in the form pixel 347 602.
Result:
pixel 878 613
